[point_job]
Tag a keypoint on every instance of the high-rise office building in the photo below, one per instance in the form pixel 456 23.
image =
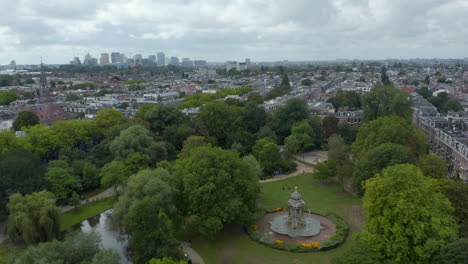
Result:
pixel 161 59
pixel 116 57
pixel 199 63
pixel 152 59
pixel 247 61
pixel 138 59
pixel 186 62
pixel 104 59
pixel 75 61
pixel 174 61
pixel 89 60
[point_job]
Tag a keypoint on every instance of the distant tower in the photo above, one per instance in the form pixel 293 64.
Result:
pixel 161 59
pixel 43 78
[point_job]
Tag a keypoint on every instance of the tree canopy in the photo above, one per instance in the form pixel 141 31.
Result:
pixel 284 117
pixel 388 129
pixel 386 101
pixel 25 119
pixel 137 139
pixel 376 160
pixel 202 177
pixel 433 166
pixel 145 209
pixel 33 217
pixel 408 217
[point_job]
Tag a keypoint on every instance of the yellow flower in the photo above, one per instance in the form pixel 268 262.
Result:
pixel 278 209
pixel 315 244
pixel 279 241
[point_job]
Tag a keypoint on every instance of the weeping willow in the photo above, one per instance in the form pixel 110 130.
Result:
pixel 33 217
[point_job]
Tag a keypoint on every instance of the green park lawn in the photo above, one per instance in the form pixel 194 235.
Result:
pixel 236 247
pixel 77 215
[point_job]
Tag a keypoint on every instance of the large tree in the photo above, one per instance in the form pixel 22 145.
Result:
pixel 305 135
pixel 389 129
pixel 386 101
pixel 62 182
pixel 408 216
pixel 219 120
pixel 146 210
pixel 339 152
pixel 254 116
pixel 9 140
pixel 330 125
pixel 20 171
pixel 25 119
pixel 218 188
pixel 452 253
pixel 284 117
pixel 268 155
pixel 114 174
pixel 457 193
pixel 376 160
pixel 33 217
pixel 79 247
pixel 160 117
pixel 433 166
pixel 137 139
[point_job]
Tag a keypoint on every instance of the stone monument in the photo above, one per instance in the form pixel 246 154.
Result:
pixel 295 223
pixel 296 210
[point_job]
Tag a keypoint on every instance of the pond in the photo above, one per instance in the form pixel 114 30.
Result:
pixel 110 233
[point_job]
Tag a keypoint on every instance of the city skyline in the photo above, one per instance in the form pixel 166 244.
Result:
pixel 232 30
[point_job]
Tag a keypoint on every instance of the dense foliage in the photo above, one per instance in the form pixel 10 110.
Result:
pixel 408 216
pixel 206 198
pixel 386 101
pixel 33 217
pixel 76 248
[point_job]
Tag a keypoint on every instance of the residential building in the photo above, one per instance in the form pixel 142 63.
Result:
pixel 447 136
pixel 352 118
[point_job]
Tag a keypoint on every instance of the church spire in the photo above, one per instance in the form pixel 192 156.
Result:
pixel 43 78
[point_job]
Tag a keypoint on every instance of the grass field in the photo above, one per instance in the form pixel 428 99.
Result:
pixel 77 215
pixel 235 246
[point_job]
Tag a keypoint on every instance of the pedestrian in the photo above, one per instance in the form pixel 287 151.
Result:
pixel 289 188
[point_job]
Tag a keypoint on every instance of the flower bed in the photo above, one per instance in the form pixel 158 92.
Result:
pixel 335 241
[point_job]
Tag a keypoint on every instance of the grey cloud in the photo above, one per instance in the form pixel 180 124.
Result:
pixel 234 29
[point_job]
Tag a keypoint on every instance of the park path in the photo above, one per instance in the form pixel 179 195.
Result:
pixel 302 168
pixel 105 194
pixel 193 255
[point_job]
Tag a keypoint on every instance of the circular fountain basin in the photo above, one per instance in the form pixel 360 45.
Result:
pixel 280 225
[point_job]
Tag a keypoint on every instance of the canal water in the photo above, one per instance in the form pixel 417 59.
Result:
pixel 111 236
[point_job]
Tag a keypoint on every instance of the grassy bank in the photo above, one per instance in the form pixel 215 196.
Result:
pixel 77 215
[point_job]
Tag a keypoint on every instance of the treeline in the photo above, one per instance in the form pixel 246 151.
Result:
pixel 414 213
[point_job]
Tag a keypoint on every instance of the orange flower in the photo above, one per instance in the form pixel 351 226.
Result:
pixel 279 241
pixel 279 209
pixel 315 244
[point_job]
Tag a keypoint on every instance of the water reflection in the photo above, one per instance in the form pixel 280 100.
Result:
pixel 110 233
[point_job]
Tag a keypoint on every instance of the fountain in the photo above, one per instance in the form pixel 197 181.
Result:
pixel 295 223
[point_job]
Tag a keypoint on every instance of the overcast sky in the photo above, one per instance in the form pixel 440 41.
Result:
pixel 220 30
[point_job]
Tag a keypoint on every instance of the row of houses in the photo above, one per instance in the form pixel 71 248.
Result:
pixel 447 135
